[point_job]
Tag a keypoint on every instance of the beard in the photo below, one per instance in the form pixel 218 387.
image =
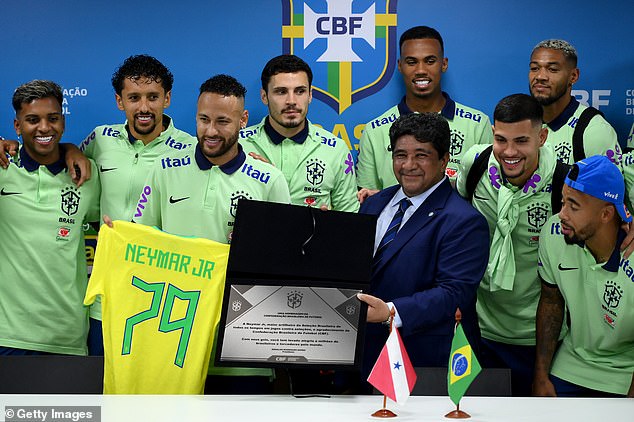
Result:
pixel 289 123
pixel 580 237
pixel 145 130
pixel 225 147
pixel 552 98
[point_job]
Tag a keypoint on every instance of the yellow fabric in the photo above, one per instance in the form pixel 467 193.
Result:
pixel 161 296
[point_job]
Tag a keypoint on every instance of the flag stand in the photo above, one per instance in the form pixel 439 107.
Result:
pixel 457 414
pixel 385 412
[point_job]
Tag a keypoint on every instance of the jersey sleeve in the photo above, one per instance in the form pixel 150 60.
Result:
pixel 101 265
pixel 465 165
pixel 87 146
pixel 94 184
pixel 544 265
pixel 600 138
pixel 148 208
pixel 485 135
pixel 367 174
pixel 343 196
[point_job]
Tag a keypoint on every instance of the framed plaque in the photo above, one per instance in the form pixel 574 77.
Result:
pixel 297 323
pixel 294 302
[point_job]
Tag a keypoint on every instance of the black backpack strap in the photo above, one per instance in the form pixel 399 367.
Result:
pixel 578 152
pixel 559 176
pixel 476 171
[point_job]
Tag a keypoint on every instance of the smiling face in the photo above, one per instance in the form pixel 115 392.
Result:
pixel 416 165
pixel 422 65
pixel 41 125
pixel 516 149
pixel 550 76
pixel 287 97
pixel 143 100
pixel 219 119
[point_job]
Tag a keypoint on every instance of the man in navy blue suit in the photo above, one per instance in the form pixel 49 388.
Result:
pixel 431 248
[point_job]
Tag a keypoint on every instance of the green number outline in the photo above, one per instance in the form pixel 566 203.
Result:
pixel 184 324
pixel 157 294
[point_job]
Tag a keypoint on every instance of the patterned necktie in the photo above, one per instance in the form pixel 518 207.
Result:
pixel 392 229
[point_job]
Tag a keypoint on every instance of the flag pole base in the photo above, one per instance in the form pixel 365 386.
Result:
pixel 384 413
pixel 457 414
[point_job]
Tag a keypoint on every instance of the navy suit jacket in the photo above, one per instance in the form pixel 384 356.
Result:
pixel 433 266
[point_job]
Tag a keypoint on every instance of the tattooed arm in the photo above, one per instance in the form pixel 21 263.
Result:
pixel 550 315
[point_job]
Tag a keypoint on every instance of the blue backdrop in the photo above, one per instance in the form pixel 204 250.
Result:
pixel 80 43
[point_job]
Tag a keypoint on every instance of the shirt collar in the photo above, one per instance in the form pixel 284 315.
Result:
pixel 166 124
pixel 558 122
pixel 31 165
pixel 448 111
pixel 229 167
pixel 277 137
pixel 417 200
pixel 615 259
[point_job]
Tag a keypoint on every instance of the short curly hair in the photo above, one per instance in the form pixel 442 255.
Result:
pixel 225 85
pixel 570 53
pixel 421 33
pixel 142 66
pixel 425 127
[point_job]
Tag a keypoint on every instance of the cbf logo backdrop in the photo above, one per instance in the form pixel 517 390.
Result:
pixel 349 44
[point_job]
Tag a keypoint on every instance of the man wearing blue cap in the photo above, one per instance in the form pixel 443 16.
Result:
pixel 583 272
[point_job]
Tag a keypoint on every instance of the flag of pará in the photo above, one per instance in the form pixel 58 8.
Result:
pixel 393 373
pixel 463 366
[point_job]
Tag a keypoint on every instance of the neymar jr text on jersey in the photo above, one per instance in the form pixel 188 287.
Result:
pixel 168 260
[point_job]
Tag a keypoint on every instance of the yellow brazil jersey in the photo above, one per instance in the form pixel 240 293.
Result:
pixel 161 297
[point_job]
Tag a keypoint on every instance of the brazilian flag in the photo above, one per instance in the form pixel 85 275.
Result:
pixel 463 366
